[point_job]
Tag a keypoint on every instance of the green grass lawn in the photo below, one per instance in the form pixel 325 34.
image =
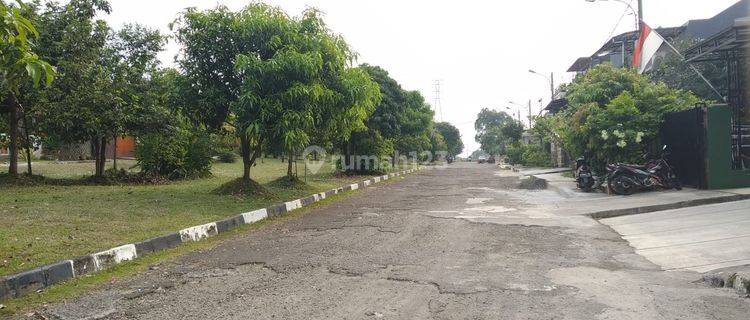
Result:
pixel 46 223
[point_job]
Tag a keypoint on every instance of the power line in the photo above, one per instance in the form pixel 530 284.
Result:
pixel 624 13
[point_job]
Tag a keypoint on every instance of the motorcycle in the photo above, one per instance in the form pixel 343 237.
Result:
pixel 585 179
pixel 627 179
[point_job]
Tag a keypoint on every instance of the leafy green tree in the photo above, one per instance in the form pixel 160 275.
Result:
pixel 211 41
pixel 496 130
pixel 401 123
pixel 438 146
pixel 614 114
pixel 305 90
pixel 74 42
pixel 416 124
pixel 452 138
pixel 105 87
pixel 19 64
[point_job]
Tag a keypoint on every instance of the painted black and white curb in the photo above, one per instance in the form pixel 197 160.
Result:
pixel 30 281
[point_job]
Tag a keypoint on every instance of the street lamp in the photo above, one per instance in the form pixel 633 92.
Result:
pixel 638 14
pixel 519 111
pixel 551 80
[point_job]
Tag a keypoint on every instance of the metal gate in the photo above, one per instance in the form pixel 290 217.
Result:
pixel 684 133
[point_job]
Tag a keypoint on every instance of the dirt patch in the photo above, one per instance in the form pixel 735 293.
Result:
pixel 240 187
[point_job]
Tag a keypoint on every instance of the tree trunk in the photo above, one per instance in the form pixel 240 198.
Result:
pixel 13 135
pixel 95 154
pixel 289 172
pixel 347 157
pixel 100 148
pixel 28 154
pixel 103 157
pixel 114 153
pixel 29 144
pixel 246 163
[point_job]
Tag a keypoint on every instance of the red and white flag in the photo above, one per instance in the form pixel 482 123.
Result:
pixel 649 41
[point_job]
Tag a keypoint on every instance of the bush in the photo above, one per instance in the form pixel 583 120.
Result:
pixel 228 157
pixel 178 154
pixel 614 115
pixel 514 153
pixel 535 156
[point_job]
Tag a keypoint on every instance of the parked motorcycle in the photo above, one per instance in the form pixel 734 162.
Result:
pixel 585 179
pixel 626 179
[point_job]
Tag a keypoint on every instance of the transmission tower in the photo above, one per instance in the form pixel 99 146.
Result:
pixel 438 105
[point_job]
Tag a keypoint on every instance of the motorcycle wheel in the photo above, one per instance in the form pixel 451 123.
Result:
pixel 622 185
pixel 676 184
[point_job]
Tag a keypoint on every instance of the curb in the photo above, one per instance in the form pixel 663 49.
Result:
pixel 660 207
pixel 667 206
pixel 739 281
pixel 30 281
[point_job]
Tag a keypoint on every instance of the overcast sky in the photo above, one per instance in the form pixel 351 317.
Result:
pixel 481 51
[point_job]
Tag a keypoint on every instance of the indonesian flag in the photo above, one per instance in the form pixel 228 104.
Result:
pixel 645 49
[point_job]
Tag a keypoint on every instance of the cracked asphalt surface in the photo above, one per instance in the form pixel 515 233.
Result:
pixel 415 249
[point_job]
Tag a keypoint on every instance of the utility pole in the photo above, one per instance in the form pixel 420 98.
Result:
pixel 530 124
pixel 551 85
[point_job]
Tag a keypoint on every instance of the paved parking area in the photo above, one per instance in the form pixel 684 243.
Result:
pixel 701 239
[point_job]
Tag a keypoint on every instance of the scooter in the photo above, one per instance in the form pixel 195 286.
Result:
pixel 627 179
pixel 585 179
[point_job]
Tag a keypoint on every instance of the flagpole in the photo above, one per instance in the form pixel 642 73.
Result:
pixel 640 14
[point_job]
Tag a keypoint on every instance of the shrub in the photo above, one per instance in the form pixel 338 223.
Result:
pixel 614 114
pixel 514 153
pixel 227 157
pixel 535 156
pixel 178 154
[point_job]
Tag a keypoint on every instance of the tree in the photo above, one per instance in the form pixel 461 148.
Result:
pixel 496 130
pixel 614 114
pixel 105 80
pixel 74 42
pixel 305 90
pixel 438 146
pixel 19 64
pixel 452 138
pixel 416 124
pixel 211 41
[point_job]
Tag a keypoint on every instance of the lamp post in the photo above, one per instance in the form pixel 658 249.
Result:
pixel 551 80
pixel 638 13
pixel 518 110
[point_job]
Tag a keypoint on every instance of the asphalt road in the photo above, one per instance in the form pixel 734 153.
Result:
pixel 417 248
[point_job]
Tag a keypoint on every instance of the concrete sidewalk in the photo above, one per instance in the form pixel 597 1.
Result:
pixel 701 238
pixel 698 238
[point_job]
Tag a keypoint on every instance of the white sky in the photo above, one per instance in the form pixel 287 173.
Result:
pixel 480 50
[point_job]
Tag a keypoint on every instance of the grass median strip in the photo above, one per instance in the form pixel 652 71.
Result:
pixel 43 224
pixel 76 286
pixel 29 281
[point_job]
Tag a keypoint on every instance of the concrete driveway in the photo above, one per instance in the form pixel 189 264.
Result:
pixel 701 239
pixel 455 243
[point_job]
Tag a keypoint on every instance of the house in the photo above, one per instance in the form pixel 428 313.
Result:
pixel 721 156
pixel 722 38
pixel 619 49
